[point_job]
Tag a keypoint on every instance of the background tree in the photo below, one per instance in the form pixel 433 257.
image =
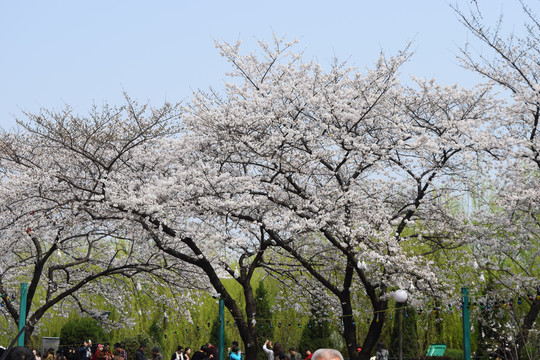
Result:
pixel 157 333
pixel 510 62
pixel 316 333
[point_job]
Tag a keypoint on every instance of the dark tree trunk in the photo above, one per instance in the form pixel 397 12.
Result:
pixel 250 340
pixel 375 330
pixel 349 326
pixel 531 317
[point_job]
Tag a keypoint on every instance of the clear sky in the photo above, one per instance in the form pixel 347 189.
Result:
pixel 79 52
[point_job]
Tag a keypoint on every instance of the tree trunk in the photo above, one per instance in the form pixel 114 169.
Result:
pixel 250 340
pixel 531 317
pixel 375 330
pixel 349 326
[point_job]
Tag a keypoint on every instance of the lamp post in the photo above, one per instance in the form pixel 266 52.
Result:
pixel 400 296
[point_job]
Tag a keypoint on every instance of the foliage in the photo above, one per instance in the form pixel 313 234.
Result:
pixel 316 333
pixel 75 331
pixel 455 354
pixel 214 334
pixel 155 331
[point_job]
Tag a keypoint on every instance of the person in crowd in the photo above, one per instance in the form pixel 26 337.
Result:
pixel 178 354
pixel 293 355
pixel 17 353
pixel 279 354
pixel 108 352
pixel 71 353
pixel 212 351
pixel 37 354
pixel 268 349
pixel 382 353
pixel 89 350
pixel 327 354
pixel 121 352
pixel 50 354
pixel 139 355
pixel 156 354
pixel 187 353
pixel 82 351
pixel 309 354
pixel 100 353
pixel 233 344
pixel 235 353
pixel 201 354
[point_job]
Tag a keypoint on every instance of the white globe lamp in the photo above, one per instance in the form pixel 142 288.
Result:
pixel 400 296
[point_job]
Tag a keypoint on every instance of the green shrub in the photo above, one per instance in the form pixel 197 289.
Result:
pixel 456 354
pixel 75 331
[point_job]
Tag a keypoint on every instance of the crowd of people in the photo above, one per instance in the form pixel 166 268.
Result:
pixel 206 352
pixel 274 352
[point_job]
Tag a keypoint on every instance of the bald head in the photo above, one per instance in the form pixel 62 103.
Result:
pixel 327 354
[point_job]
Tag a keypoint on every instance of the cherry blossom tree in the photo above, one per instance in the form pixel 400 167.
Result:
pixel 50 238
pixel 127 177
pixel 343 164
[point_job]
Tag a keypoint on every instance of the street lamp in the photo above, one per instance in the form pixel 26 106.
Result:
pixel 401 297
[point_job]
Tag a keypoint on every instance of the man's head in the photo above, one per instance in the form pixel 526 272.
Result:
pixel 155 350
pixel 117 346
pixel 308 351
pixel 327 354
pixel 179 349
pixel 142 347
pixel 292 350
pixel 19 353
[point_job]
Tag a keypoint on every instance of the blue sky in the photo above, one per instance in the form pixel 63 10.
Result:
pixel 88 52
